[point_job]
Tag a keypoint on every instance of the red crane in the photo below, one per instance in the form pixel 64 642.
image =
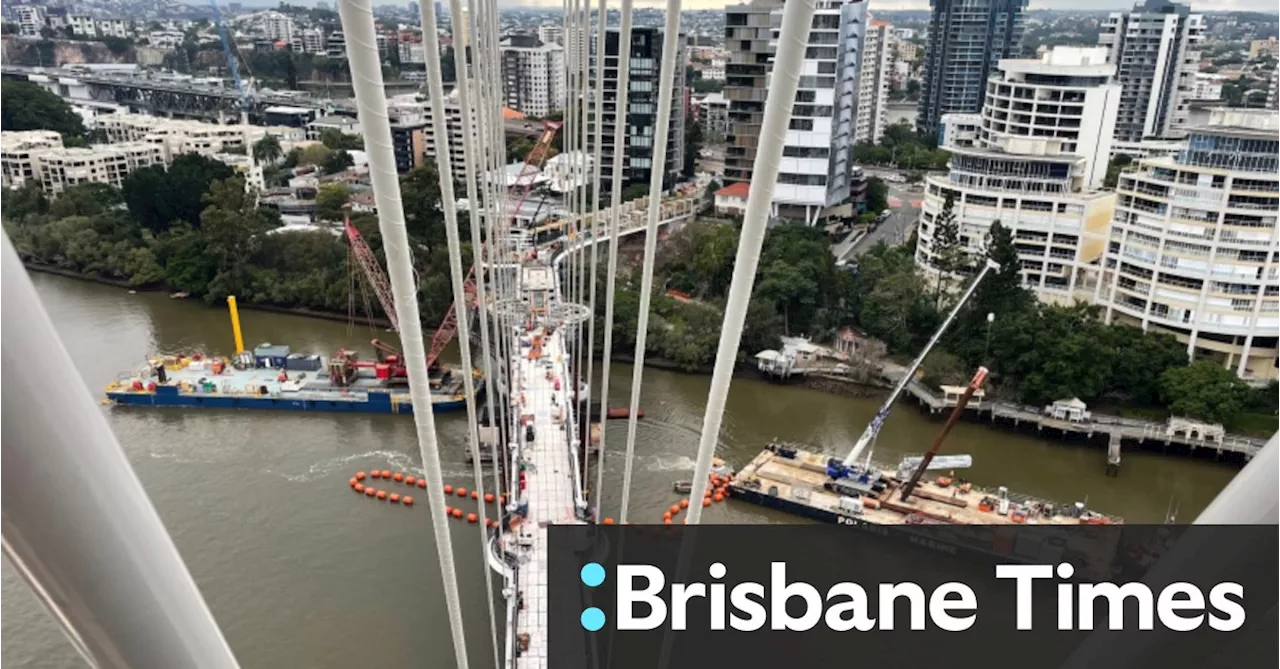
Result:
pixel 377 279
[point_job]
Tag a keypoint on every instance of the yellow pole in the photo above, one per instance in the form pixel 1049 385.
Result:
pixel 235 323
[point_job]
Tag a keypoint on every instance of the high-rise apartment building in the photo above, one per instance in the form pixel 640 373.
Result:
pixel 533 75
pixel 879 54
pixel 967 38
pixel 314 41
pixel 1193 248
pixel 816 168
pixel 642 107
pixel 277 27
pixel 1156 50
pixel 1035 161
pixel 748 35
pixel 31 20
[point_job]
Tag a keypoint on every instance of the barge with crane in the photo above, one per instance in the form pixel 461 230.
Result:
pixel 855 492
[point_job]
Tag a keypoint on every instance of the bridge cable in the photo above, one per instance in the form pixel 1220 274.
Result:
pixel 357 21
pixel 598 98
pixel 658 169
pixel 619 146
pixel 792 42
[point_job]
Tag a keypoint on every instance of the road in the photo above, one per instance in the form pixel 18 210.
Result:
pixel 904 202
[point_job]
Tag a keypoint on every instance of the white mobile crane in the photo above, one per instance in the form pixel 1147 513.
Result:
pixel 245 92
pixel 873 428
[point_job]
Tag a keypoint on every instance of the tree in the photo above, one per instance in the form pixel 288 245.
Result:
pixel 337 140
pixel 949 255
pixel 330 200
pixel 1204 390
pixel 157 198
pixel 31 107
pixel 267 150
pixel 877 195
pixel 312 154
pixel 424 219
pixel 1114 168
pixel 232 225
pixel 338 161
pixel 692 146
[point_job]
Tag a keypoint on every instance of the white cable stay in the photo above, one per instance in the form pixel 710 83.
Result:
pixel 598 100
pixel 792 41
pixel 658 168
pixel 366 79
pixel 619 146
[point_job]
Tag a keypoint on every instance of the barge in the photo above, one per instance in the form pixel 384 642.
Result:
pixel 816 486
pixel 275 378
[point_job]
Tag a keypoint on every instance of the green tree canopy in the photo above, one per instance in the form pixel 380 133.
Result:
pixel 338 161
pixel 1204 390
pixel 330 200
pixel 267 149
pixel 157 198
pixel 31 107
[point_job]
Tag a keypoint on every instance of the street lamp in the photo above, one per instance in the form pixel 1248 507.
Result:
pixel 991 318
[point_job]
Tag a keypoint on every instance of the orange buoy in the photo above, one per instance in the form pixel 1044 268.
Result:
pixel 375 474
pixel 503 499
pixel 352 482
pixel 398 477
pixel 359 476
pixel 386 473
pixel 666 515
pixel 706 501
pixel 394 498
pixel 370 492
pixel 675 509
pixel 448 489
pixel 684 503
pixel 359 487
pixel 448 510
pixel 410 480
pixel 718 497
pixel 462 492
pixel 608 521
pixel 472 518
pixel 488 497
pixel 422 483
pixel 382 494
pixel 667 521
pixel 725 492
pixel 475 495
pixel 457 513
pixel 408 501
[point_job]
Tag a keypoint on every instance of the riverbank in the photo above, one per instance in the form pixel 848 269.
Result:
pixel 160 288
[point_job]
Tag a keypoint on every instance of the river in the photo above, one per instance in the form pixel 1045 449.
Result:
pixel 300 572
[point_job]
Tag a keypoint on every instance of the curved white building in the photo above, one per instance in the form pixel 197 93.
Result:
pixel 1035 162
pixel 1193 248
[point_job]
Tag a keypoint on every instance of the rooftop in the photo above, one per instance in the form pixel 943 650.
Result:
pixel 739 189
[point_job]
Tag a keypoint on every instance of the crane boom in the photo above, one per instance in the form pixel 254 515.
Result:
pixel 231 58
pixel 373 272
pixel 873 428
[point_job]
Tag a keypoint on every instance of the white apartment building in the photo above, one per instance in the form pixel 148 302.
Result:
pixel 1036 163
pixel 336 45
pixel 878 60
pixel 714 71
pixel 713 110
pixel 313 40
pixel 817 157
pixel 1207 86
pixel 83 24
pixel 59 168
pixel 533 75
pixel 551 34
pixel 1193 246
pixel 1156 50
pixel 412 52
pixel 121 28
pixel 18 151
pixel 30 20
pixel 176 136
pixel 277 27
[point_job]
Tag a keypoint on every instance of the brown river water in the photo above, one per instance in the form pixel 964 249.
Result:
pixel 300 572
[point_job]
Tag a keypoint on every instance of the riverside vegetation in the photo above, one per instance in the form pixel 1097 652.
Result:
pixel 1037 353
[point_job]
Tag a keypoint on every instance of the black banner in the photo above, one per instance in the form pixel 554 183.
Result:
pixel 780 596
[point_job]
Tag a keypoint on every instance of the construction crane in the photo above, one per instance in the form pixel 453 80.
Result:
pixel 873 428
pixel 241 90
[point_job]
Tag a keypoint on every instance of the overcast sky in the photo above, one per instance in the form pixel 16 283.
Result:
pixel 1203 5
